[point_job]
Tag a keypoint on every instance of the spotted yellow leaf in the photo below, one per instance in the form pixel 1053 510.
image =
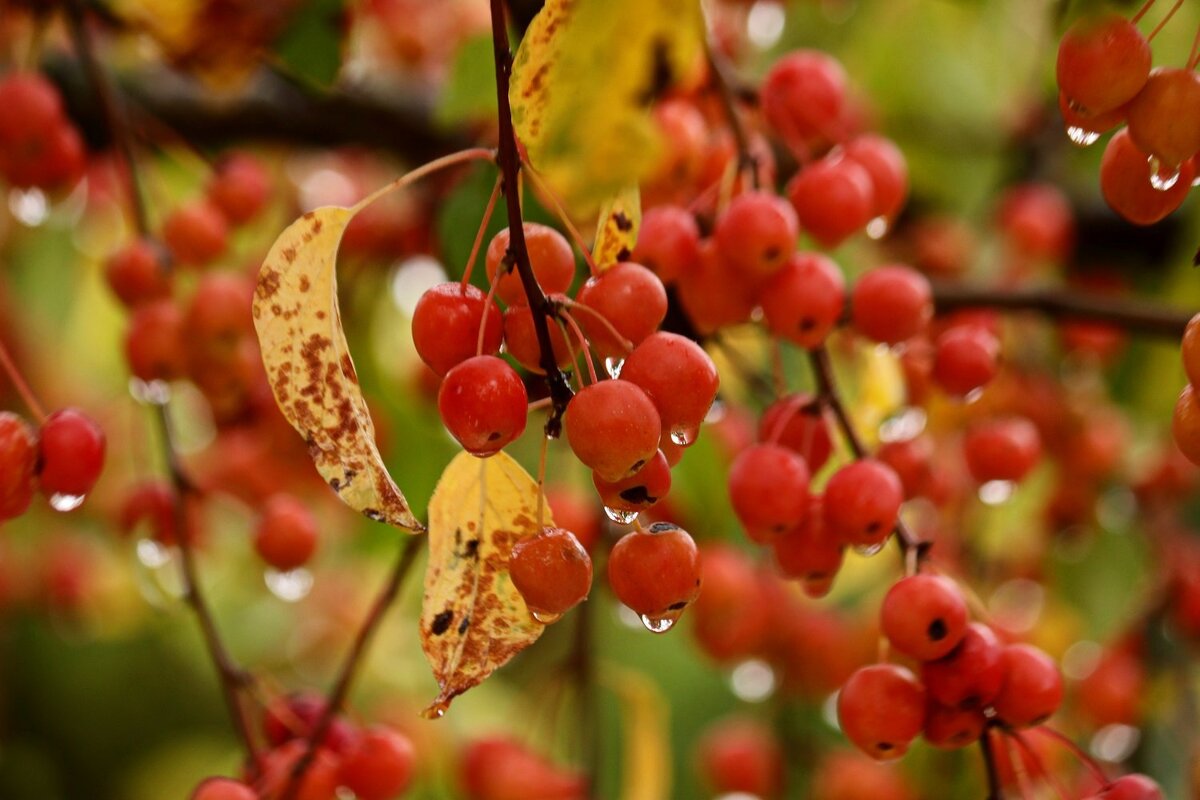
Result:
pixel 617 227
pixel 473 620
pixel 584 78
pixel 311 372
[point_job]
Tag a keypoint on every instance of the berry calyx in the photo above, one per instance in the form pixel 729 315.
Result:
pixel 639 491
pixel 971 675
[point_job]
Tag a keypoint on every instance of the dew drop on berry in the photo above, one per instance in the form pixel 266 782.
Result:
pixel 660 624
pixel 877 228
pixel 1162 177
pixel 290 586
pixel 1081 137
pixel 151 393
pixel 29 206
pixel 868 550
pixel 996 493
pixel 546 618
pixel 613 366
pixel 66 502
pixel 620 517
pixel 684 436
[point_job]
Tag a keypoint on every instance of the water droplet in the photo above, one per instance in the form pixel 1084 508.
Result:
pixel 903 425
pixel 659 624
pixel 290 586
pixel 545 617
pixel 66 502
pixel 1081 137
pixel 620 517
pixel 877 228
pixel 151 554
pixel 753 680
pixel 716 412
pixel 994 493
pixel 29 206
pixel 1162 177
pixel 157 579
pixel 869 550
pixel 613 367
pixel 155 393
pixel 437 710
pixel 684 436
pixel 1115 743
pixel 1081 659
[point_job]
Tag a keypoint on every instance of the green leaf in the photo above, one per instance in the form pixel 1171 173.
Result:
pixel 470 92
pixel 311 47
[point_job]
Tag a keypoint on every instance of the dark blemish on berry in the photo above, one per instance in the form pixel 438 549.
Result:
pixel 462 626
pixel 493 436
pixel 623 254
pixel 682 604
pixel 807 324
pixel 638 495
pixel 662 527
pixel 883 747
pixel 623 222
pixel 873 527
pixel 817 576
pixel 970 702
pixel 441 623
pixel 772 253
pixel 641 462
pixel 937 630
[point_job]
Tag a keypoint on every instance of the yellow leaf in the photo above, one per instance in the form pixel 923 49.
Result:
pixel 584 78
pixel 881 392
pixel 308 363
pixel 473 620
pixel 646 772
pixel 617 227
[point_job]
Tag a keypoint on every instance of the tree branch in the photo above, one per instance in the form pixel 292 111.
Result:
pixel 989 765
pixel 510 165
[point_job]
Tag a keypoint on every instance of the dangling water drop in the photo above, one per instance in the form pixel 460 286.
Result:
pixel 613 366
pixel 994 493
pixel 29 206
pixel 869 550
pixel 66 502
pixel 620 517
pixel 437 710
pixel 1162 177
pixel 158 581
pixel 150 392
pixel 684 436
pixel 290 586
pixel 658 624
pixel 545 617
pixel 877 228
pixel 151 554
pixel 1081 137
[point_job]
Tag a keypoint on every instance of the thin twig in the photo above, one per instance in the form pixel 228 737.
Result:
pixel 989 765
pixel 510 164
pixel 233 679
pixel 19 383
pixel 350 664
pixel 718 73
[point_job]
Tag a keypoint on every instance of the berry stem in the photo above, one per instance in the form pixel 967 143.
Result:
pixel 827 392
pixel 483 224
pixel 19 383
pixel 114 116
pixel 559 210
pixel 719 77
pixel 1077 751
pixel 541 483
pixel 350 664
pixel 1146 318
pixel 582 666
pixel 1142 11
pixel 1165 20
pixel 1018 766
pixel 572 305
pixel 1031 758
pixel 989 766
pixel 747 372
pixel 1194 57
pixel 566 317
pixel 510 165
pixel 233 678
pixel 487 303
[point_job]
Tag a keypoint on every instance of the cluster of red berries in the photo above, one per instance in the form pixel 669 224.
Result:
pixel 374 763
pixel 1104 80
pixel 39 146
pixel 1185 425
pixel 62 459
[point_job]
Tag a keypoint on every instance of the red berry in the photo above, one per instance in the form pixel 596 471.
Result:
pixel 965 359
pixel 668 242
pixel 804 300
pixel 741 755
pixel 1037 219
pixel 1190 350
pixel 1002 450
pixel 884 162
pixel 953 727
pixel 70 452
pixel 196 233
pixel 550 256
pixel 655 572
pixel 320 780
pixel 1078 118
pixel 1113 692
pixel 891 304
pixel 137 275
pixel 768 485
pixel 613 428
pixel 18 462
pixel 924 616
pixel 152 502
pixel 572 508
pixel 240 187
pixel 219 313
pixel 154 342
pixel 678 377
pixel 834 199
pixel 1032 689
pixel 803 97
pixel 32 105
pixel 798 423
pixel 295 716
pixel 379 766
pixel 639 491
pixel 630 298
pixel 1102 62
pixel 521 342
pixel 881 708
pixel 499 769
pixel 732 616
pixel 971 675
pixel 756 234
pixel 445 325
pixel 912 460
pixel 1164 117
pixel 1130 787
pixel 1185 424
pixel 223 789
pixel 715 294
pixel 483 404
pixel 286 534
pixel 1125 182
pixel 810 552
pixel 552 571
pixel 862 501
